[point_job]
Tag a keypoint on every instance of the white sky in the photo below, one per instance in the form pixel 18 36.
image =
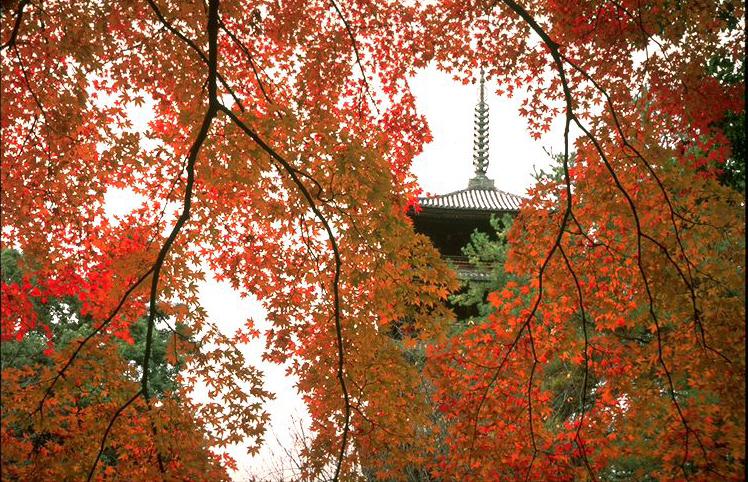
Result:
pixel 444 166
pixel 446 163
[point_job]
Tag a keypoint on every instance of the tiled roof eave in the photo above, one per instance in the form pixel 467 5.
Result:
pixel 458 210
pixel 477 200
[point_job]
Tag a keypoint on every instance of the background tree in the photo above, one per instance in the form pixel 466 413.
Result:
pixel 60 322
pixel 74 420
pixel 731 72
pixel 486 252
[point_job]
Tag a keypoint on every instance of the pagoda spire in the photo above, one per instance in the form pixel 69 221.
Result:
pixel 480 141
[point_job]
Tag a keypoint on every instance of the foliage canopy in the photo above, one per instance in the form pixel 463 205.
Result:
pixel 277 156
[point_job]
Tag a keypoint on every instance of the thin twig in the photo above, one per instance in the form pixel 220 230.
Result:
pixel 349 31
pixel 583 398
pixel 689 282
pixel 250 59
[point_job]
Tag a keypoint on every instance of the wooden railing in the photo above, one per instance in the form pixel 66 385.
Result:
pixel 468 271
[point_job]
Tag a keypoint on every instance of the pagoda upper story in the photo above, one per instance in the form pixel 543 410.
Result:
pixel 449 219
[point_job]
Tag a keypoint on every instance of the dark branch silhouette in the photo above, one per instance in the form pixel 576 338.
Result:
pixel 250 60
pixel 82 343
pixel 559 60
pixel 559 63
pixel 197 144
pixel 349 31
pixel 114 418
pixel 16 26
pixel 294 173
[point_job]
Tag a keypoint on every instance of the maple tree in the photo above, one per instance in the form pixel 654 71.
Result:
pixel 102 379
pixel 277 157
pixel 59 321
pixel 637 255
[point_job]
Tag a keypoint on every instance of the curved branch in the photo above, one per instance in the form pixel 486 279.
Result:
pixel 184 216
pixel 697 317
pixel 349 31
pixel 689 282
pixel 293 173
pixel 114 418
pixel 558 60
pixel 82 343
pixel 526 323
pixel 250 59
pixel 583 401
pixel 190 168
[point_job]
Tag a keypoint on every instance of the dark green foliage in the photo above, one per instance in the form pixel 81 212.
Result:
pixel 62 315
pixel 733 125
pixel 733 174
pixel 487 253
pixel 163 375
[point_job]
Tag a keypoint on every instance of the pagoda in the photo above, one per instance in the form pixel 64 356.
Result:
pixel 450 219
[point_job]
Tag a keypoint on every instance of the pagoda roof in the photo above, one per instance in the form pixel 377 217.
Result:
pixel 487 200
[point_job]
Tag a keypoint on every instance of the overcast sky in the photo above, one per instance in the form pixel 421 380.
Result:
pixel 446 163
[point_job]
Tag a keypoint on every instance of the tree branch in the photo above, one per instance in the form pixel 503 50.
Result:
pixel 195 48
pixel 559 62
pixel 293 173
pixel 82 343
pixel 638 155
pixel 583 401
pixel 250 59
pixel 184 216
pixel 355 51
pixel 114 418
pixel 16 26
